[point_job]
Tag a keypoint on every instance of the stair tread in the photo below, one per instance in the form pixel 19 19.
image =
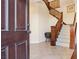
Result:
pixel 55 13
pixel 54 4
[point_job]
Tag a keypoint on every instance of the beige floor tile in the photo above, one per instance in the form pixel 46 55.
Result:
pixel 45 51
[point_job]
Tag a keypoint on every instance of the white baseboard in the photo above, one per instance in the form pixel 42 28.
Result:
pixel 35 42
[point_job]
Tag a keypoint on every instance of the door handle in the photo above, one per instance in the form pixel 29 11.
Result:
pixel 28 31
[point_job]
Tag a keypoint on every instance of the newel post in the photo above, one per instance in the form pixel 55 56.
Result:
pixel 53 36
pixel 72 36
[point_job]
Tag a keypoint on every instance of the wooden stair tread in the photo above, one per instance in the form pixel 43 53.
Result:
pixel 54 4
pixel 55 13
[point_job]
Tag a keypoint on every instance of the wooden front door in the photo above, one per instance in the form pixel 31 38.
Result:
pixel 14 29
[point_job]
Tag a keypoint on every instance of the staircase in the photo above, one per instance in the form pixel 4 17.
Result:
pixel 55 30
pixel 64 37
pixel 67 34
pixel 61 34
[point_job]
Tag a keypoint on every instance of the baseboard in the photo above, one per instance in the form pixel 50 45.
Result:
pixel 36 42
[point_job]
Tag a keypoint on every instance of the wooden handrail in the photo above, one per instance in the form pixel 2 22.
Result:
pixel 55 31
pixel 54 4
pixel 53 11
pixel 74 20
pixel 64 23
pixel 60 20
pixel 47 3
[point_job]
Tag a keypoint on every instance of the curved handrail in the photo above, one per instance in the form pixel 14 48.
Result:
pixel 55 29
pixel 53 11
pixel 47 3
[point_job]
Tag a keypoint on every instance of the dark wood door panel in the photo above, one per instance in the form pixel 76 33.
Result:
pixel 12 37
pixel 4 53
pixel 21 49
pixel 11 14
pixel 2 14
pixel 15 40
pixel 11 51
pixel 21 8
pixel 15 50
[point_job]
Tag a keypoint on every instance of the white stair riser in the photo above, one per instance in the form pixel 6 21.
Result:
pixel 65 28
pixel 64 32
pixel 64 37
pixel 63 40
pixel 62 44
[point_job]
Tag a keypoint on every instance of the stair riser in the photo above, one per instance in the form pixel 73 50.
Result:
pixel 64 34
pixel 63 41
pixel 62 44
pixel 63 37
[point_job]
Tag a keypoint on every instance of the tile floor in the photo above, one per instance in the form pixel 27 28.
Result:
pixel 45 51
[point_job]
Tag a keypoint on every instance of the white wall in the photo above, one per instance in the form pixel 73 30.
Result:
pixel 43 21
pixel 34 23
pixel 68 17
pixel 38 22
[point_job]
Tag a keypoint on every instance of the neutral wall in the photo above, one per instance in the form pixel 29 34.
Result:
pixel 39 18
pixel 34 23
pixel 43 20
pixel 68 18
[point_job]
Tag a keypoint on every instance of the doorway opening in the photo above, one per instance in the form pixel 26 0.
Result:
pixel 40 23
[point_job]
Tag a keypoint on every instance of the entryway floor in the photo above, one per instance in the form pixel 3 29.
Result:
pixel 45 51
